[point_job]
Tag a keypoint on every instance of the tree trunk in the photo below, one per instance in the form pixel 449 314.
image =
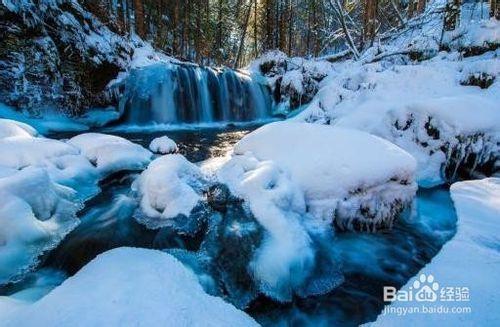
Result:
pixel 421 6
pixel 140 28
pixel 452 15
pixel 243 35
pixel 370 20
pixel 495 9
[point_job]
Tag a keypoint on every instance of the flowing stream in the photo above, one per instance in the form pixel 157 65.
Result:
pixel 369 261
pixel 176 95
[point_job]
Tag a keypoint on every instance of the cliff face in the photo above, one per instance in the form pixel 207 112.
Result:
pixel 55 53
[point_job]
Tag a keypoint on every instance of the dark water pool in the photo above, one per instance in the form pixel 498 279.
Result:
pixel 369 261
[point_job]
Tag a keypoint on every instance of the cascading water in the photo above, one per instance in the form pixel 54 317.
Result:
pixel 175 94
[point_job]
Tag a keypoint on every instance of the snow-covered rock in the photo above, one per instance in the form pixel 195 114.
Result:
pixel 475 245
pixel 35 215
pixel 448 124
pixel 64 163
pixel 130 287
pixel 111 153
pixel 353 178
pixel 293 81
pixel 64 56
pixel 163 145
pixel 170 187
pixel 286 256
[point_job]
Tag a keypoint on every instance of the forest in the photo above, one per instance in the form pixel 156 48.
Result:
pixel 233 32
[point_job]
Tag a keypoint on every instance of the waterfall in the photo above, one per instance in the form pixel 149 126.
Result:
pixel 176 94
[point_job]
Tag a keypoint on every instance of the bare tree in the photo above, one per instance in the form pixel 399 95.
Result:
pixel 340 15
pixel 495 9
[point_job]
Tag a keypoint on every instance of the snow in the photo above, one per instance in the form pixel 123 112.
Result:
pixel 286 257
pixel 169 187
pixel 111 153
pixel 163 145
pixel 35 215
pixel 339 170
pixel 476 244
pixel 129 287
pixel 42 185
pixel 63 162
pixel 12 128
pixel 441 123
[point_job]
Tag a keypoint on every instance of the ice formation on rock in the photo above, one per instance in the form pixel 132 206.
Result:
pixel 168 191
pixel 349 177
pixel 109 153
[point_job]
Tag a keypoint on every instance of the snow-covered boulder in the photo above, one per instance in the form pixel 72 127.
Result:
pixel 355 179
pixel 131 287
pixel 163 145
pixel 64 163
pixel 440 116
pixel 293 81
pixel 109 153
pixel 475 244
pixel 169 189
pixel 35 215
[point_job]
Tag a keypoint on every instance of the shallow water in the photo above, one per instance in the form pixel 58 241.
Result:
pixel 369 261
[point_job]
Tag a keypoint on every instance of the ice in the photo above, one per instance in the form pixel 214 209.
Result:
pixel 347 176
pixel 286 257
pixel 111 153
pixel 35 214
pixel 130 287
pixel 476 244
pixel 169 187
pixel 163 145
pixel 37 284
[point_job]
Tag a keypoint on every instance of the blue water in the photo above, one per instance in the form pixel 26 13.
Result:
pixel 369 261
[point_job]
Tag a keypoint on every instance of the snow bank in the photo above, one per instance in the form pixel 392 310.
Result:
pixel 451 128
pixel 163 145
pixel 169 187
pixel 42 184
pixel 476 244
pixel 109 153
pixel 129 287
pixel 63 162
pixel 35 215
pixel 354 178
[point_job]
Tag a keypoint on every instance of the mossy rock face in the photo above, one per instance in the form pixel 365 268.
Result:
pixel 57 56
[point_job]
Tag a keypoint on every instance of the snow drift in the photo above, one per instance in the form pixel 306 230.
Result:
pixel 131 287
